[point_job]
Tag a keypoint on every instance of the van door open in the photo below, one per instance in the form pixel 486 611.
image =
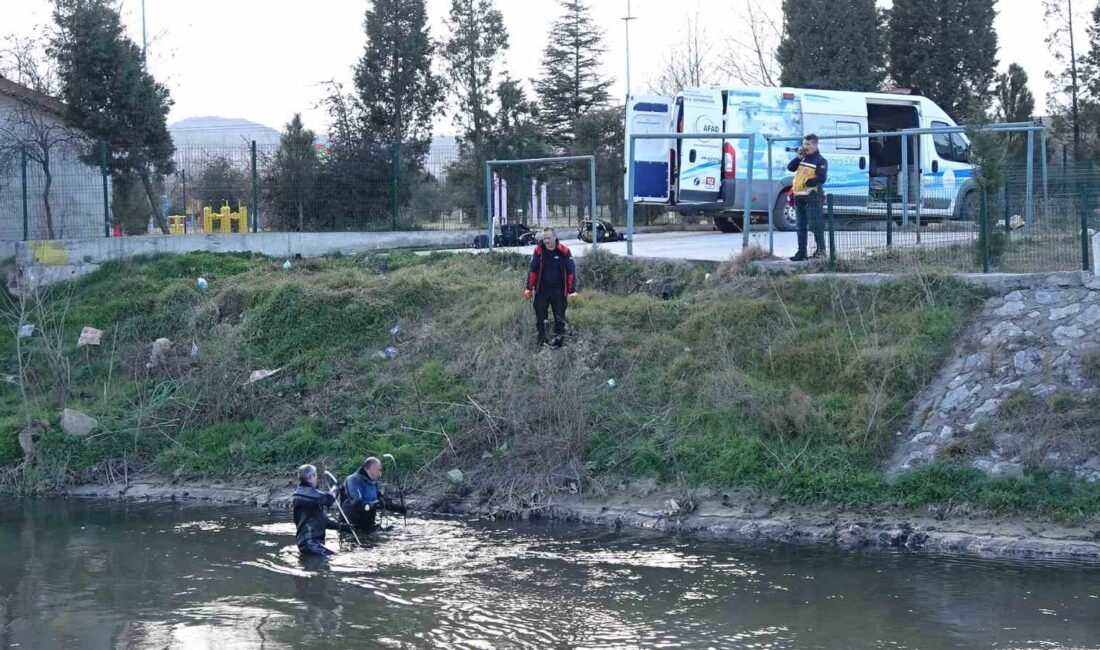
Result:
pixel 699 161
pixel 652 162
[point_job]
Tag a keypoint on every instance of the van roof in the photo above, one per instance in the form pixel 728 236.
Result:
pixel 842 93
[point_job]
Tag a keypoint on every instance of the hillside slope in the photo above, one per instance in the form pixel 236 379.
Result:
pixel 772 385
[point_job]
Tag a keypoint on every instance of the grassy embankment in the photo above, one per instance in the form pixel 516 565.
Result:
pixel 794 389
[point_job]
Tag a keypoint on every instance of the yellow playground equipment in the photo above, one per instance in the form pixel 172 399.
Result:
pixel 224 220
pixel 176 225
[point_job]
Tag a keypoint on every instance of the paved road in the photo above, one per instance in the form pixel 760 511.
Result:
pixel 719 247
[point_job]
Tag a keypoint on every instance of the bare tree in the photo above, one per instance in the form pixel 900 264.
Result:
pixel 1061 41
pixel 689 63
pixel 750 53
pixel 36 123
pixel 24 61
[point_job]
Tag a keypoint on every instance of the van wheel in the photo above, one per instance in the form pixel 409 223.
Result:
pixel 726 224
pixel 786 219
pixel 969 208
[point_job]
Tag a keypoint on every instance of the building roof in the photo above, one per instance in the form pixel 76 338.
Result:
pixel 30 96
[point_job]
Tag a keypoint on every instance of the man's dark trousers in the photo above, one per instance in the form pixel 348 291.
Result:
pixel 808 211
pixel 545 300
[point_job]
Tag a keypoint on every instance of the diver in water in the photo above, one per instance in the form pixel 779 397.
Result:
pixel 309 513
pixel 362 496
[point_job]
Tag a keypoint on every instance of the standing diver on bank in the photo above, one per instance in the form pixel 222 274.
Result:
pixel 309 514
pixel 362 497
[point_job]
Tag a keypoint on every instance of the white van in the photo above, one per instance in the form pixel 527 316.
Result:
pixel 708 176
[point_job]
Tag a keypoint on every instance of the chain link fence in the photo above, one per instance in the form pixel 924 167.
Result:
pixel 268 188
pixel 991 230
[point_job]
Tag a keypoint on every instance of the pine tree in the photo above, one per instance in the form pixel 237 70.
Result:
pixel 292 176
pixel 1015 103
pixel 471 54
pixel 396 94
pixel 831 44
pixel 571 85
pixel 109 94
pixel 394 82
pixel 947 50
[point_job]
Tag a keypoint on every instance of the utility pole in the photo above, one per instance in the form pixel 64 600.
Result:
pixel 626 21
pixel 144 46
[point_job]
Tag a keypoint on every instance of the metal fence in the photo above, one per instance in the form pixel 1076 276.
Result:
pixel 317 188
pixel 266 188
pixel 990 230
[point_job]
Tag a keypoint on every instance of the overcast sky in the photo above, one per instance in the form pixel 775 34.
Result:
pixel 263 60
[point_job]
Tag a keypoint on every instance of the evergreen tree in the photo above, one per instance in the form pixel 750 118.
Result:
pixel 571 85
pixel 1015 103
pixel 601 133
pixel 394 83
pixel 471 54
pixel 109 94
pixel 512 133
pixel 292 177
pixel 516 130
pixel 946 49
pixel 221 182
pixel 1090 91
pixel 831 44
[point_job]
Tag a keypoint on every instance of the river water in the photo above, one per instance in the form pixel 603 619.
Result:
pixel 106 575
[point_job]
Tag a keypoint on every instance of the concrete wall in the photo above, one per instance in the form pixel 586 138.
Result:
pixel 46 262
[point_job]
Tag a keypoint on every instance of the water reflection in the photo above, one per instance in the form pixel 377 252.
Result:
pixel 100 575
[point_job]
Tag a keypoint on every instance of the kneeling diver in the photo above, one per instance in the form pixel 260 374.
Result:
pixel 362 496
pixel 309 514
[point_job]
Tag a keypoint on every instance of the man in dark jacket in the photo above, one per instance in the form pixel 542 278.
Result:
pixel 309 513
pixel 362 496
pixel 811 171
pixel 551 280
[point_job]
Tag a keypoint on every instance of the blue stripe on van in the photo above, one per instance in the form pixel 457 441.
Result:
pixel 651 107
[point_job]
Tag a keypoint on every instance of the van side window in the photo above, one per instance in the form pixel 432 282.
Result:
pixel 950 146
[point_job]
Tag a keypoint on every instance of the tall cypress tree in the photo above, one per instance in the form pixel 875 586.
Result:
pixel 471 54
pixel 831 44
pixel 947 49
pixel 393 80
pixel 1015 103
pixel 292 176
pixel 109 94
pixel 397 94
pixel 571 85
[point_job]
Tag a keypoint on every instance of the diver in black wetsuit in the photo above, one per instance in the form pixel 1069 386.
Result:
pixel 309 513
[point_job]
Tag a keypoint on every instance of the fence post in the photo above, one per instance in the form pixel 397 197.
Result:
pixel 1085 230
pixel 592 204
pixel 1008 218
pixel 26 212
pixel 1065 166
pixel 394 176
pixel 489 229
pixel 186 213
pixel 832 235
pixel 889 219
pixel 255 193
pixel 983 235
pixel 106 199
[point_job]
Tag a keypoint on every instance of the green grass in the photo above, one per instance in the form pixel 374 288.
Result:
pixel 788 387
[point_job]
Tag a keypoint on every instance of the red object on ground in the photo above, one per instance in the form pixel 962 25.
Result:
pixel 116 231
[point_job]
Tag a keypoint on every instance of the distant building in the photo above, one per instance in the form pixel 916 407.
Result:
pixel 75 198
